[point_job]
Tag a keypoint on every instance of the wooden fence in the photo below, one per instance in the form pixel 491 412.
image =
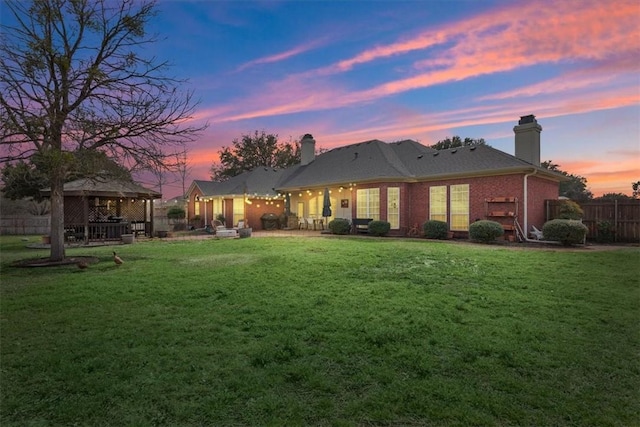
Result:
pixel 617 221
pixel 25 224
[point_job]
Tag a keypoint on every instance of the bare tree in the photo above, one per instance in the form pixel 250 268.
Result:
pixel 74 79
pixel 183 169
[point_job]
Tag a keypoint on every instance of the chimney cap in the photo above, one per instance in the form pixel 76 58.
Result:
pixel 527 119
pixel 307 136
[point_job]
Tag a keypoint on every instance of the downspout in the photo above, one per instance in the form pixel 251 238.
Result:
pixel 526 206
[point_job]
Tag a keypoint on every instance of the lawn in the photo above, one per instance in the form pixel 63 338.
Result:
pixel 322 331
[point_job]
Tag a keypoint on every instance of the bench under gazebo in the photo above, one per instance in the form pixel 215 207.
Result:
pixel 101 209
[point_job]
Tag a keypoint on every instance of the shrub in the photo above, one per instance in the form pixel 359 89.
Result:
pixel 340 226
pixel 485 231
pixel 434 229
pixel 176 212
pixel 566 231
pixel 606 232
pixel 570 210
pixel 379 228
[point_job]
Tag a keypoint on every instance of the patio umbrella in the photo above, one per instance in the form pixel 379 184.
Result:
pixel 326 205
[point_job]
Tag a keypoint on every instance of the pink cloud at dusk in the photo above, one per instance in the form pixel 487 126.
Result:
pixel 489 43
pixel 282 55
pixel 604 177
pixel 348 78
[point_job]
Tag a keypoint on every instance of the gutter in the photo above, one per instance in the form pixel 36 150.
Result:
pixel 526 206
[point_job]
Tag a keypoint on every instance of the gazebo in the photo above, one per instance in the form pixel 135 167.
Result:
pixel 100 209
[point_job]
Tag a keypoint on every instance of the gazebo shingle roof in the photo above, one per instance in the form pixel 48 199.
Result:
pixel 105 187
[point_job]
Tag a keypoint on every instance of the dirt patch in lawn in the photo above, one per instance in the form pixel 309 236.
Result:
pixel 80 261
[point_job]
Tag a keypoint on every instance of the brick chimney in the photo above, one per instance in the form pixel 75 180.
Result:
pixel 528 139
pixel 307 149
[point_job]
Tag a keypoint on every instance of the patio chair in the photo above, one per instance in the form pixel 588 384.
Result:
pixel 219 230
pixel 311 223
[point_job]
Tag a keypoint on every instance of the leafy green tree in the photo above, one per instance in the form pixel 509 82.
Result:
pixel 636 189
pixel 25 179
pixel 74 80
pixel 456 141
pixel 252 151
pixel 575 188
pixel 614 196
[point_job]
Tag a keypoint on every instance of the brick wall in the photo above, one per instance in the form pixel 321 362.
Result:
pixel 539 190
pixel 481 188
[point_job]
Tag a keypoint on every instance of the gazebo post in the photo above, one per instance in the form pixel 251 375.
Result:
pixel 85 217
pixel 151 201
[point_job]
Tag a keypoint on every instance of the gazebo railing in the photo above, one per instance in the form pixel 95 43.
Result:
pixel 97 231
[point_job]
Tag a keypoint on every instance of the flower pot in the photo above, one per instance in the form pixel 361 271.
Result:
pixel 127 239
pixel 244 232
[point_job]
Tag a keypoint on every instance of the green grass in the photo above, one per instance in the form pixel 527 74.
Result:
pixel 322 331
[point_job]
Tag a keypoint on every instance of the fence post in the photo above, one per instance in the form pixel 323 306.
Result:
pixel 615 221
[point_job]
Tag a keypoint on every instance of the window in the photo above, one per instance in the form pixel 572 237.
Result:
pixel 300 210
pixel 238 210
pixel 196 208
pixel 438 203
pixel 216 208
pixel 460 207
pixel 315 206
pixel 368 201
pixel 393 207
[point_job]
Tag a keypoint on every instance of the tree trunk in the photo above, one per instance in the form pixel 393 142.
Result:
pixel 57 219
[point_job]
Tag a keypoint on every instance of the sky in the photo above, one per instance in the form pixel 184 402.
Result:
pixel 352 71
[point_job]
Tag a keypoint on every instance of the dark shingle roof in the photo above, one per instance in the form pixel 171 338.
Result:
pixel 374 160
pixel 260 181
pixel 464 161
pixel 365 161
pixel 402 161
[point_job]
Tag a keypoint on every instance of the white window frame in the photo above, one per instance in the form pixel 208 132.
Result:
pixel 438 203
pixel 368 203
pixel 216 205
pixel 238 211
pixel 393 207
pixel 459 207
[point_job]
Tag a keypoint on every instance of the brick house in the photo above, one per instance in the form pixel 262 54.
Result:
pixel 404 183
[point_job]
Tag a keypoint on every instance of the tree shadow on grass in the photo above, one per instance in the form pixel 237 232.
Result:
pixel 80 261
